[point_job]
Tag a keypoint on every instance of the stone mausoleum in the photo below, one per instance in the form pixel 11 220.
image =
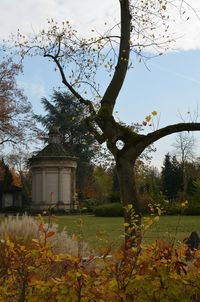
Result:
pixel 53 176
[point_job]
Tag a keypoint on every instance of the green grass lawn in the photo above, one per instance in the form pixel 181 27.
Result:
pixel 103 231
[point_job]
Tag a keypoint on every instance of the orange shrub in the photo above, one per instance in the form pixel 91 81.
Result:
pixel 160 272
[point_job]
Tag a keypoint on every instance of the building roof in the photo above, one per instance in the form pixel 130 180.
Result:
pixel 54 149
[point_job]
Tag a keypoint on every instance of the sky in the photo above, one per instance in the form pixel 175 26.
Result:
pixel 170 85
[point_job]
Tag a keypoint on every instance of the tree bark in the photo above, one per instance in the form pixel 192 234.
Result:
pixel 113 89
pixel 130 201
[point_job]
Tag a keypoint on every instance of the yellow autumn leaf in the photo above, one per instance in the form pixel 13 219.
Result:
pixel 113 283
pixel 129 207
pixel 156 219
pixel 78 275
pixel 159 211
pixel 148 118
pixel 154 113
pixel 23 248
pixel 10 245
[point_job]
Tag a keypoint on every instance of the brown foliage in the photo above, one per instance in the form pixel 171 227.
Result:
pixel 15 110
pixel 16 178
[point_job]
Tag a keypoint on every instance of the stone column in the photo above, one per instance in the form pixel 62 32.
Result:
pixel 73 187
pixel 44 186
pixel 33 186
pixel 60 184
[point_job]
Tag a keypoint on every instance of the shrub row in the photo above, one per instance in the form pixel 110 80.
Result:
pixel 109 210
pixel 116 210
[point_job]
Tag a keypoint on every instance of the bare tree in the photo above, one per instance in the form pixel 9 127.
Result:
pixel 77 60
pixel 18 160
pixel 184 147
pixel 184 150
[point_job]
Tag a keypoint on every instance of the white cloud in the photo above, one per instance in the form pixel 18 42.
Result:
pixel 186 29
pixel 29 15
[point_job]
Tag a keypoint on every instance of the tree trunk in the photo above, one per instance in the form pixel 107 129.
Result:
pixel 129 199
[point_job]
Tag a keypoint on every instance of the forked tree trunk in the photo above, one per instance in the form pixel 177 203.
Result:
pixel 130 201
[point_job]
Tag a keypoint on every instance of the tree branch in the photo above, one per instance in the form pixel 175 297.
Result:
pixel 156 135
pixel 110 96
pixel 133 148
pixel 8 140
pixel 99 137
pixel 72 90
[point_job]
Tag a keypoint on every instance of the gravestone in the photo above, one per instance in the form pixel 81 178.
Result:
pixel 193 241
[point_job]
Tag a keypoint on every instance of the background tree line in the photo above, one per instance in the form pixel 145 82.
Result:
pixel 97 181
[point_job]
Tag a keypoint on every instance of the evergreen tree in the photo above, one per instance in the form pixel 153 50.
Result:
pixel 148 185
pixel 5 178
pixel 172 177
pixel 65 112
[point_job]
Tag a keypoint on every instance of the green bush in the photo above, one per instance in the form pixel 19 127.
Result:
pixel 178 208
pixel 109 210
pixel 88 206
pixel 193 211
pixel 114 197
